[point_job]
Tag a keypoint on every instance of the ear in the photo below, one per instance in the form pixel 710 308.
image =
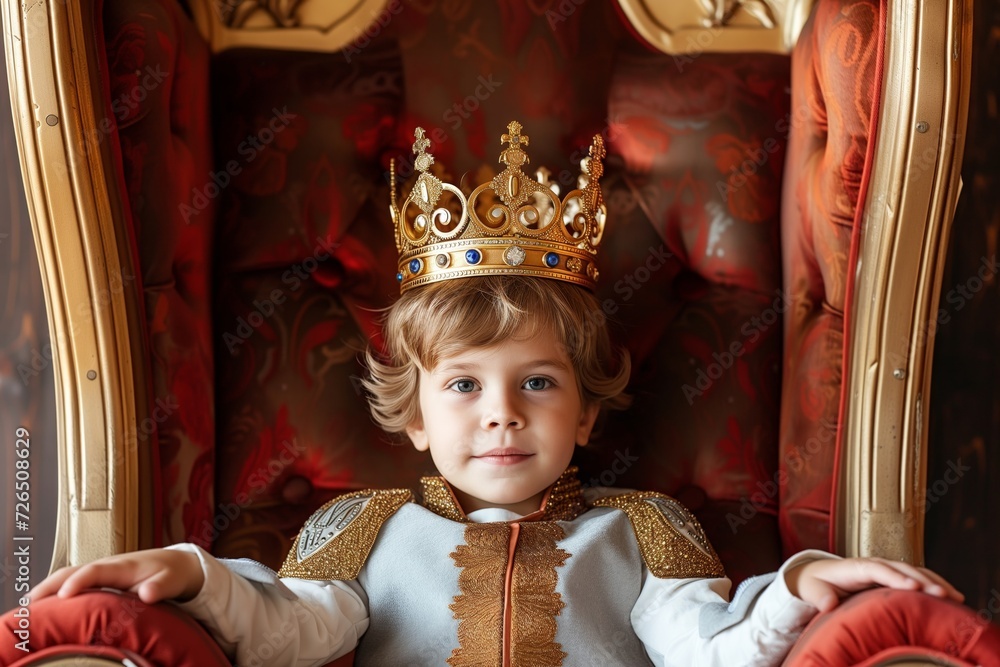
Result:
pixel 418 436
pixel 588 415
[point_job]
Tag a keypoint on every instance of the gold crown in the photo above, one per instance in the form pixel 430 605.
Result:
pixel 511 225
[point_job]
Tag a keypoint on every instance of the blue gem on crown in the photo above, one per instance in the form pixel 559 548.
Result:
pixel 415 265
pixel 551 259
pixel 473 256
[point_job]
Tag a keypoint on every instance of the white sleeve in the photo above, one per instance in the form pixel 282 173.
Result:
pixel 260 619
pixel 689 623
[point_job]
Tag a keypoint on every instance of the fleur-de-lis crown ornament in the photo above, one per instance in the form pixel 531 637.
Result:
pixel 513 224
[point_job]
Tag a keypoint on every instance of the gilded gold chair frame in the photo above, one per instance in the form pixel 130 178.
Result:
pixel 77 221
pixel 686 27
pixel 80 231
pixel 914 188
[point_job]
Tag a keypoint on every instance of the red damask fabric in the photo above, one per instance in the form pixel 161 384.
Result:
pixel 158 74
pixel 835 73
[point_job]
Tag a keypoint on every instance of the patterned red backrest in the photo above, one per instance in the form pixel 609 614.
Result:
pixel 836 70
pixel 706 259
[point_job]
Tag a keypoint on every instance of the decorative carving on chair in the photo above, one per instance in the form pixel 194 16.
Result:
pixel 699 26
pixel 304 25
pixel 721 12
pixel 236 13
pixel 278 13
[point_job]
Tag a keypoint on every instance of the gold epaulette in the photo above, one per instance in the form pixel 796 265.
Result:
pixel 671 541
pixel 335 542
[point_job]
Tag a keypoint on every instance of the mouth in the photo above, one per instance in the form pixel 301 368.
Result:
pixel 504 456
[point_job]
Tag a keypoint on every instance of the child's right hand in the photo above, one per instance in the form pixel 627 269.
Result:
pixel 154 574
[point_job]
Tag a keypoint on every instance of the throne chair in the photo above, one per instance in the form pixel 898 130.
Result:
pixel 208 183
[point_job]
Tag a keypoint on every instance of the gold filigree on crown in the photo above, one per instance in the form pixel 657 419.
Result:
pixel 513 225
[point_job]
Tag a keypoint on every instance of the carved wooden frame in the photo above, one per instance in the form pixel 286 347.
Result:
pixel 696 26
pixel 78 223
pixel 304 25
pixel 913 190
pixel 677 27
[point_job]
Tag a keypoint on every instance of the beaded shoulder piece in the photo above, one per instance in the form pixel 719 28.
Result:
pixel 671 541
pixel 334 543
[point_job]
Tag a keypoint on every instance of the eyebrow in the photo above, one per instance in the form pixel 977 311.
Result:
pixel 550 363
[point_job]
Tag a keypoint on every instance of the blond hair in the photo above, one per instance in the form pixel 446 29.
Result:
pixel 441 319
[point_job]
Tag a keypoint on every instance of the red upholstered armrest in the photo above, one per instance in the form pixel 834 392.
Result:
pixel 885 626
pixel 115 626
pixel 873 628
pixel 111 626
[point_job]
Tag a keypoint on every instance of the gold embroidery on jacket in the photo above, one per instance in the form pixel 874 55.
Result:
pixel 671 541
pixel 533 600
pixel 479 608
pixel 438 498
pixel 336 540
pixel 563 501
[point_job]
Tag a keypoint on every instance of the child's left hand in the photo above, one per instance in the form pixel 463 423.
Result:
pixel 822 583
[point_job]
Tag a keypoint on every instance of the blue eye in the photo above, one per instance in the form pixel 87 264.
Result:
pixel 537 383
pixel 463 386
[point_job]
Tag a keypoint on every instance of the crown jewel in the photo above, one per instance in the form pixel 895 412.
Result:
pixel 511 225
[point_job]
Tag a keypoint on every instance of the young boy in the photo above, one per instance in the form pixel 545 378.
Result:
pixel 498 363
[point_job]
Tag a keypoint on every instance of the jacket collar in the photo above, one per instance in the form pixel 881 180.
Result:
pixel 563 501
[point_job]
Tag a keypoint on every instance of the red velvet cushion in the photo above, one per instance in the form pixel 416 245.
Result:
pixel 882 623
pixel 116 621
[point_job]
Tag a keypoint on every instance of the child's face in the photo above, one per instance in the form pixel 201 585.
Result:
pixel 502 422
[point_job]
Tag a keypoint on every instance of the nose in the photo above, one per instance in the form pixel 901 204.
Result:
pixel 501 410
